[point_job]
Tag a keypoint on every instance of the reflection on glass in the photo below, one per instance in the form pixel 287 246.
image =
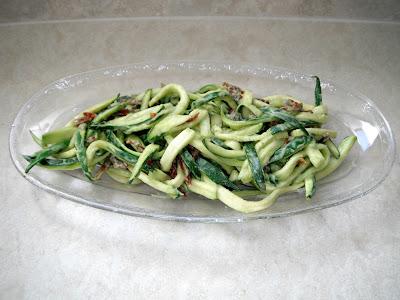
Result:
pixel 366 134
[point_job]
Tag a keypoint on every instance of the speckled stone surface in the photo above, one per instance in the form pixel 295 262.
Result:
pixel 52 248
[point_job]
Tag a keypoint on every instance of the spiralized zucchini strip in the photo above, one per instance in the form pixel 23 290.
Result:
pixel 158 185
pixel 213 191
pixel 176 146
pixel 326 156
pixel 179 179
pixel 147 152
pixel 219 141
pixel 223 152
pixel 288 168
pixel 344 150
pixel 121 176
pixel 169 89
pixel 93 109
pixel 264 154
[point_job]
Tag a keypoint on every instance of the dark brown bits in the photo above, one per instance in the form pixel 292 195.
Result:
pixel 293 105
pixel 193 151
pixel 273 123
pixel 188 179
pixel 181 164
pixel 123 112
pixel 235 91
pixel 87 117
pixel 91 139
pixel 103 168
pixel 135 145
pixel 135 102
pixel 182 190
pixel 174 170
pixel 116 163
pixel 301 161
pixel 192 118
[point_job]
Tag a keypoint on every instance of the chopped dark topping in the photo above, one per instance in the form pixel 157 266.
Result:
pixel 301 161
pixel 193 151
pixel 192 118
pixel 91 139
pixel 137 146
pixel 174 169
pixel 273 123
pixel 103 168
pixel 188 179
pixel 116 163
pixel 135 102
pixel 87 117
pixel 293 105
pixel 123 112
pixel 182 190
pixel 180 162
pixel 235 91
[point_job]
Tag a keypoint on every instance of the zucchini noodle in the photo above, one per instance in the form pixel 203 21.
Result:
pixel 218 141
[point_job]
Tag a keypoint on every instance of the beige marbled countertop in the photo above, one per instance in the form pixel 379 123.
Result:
pixel 54 248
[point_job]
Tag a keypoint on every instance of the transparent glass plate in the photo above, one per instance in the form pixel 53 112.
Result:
pixel 350 113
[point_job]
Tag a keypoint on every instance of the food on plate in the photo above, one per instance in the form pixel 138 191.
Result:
pixel 219 141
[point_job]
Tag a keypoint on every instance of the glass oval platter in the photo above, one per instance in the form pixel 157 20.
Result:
pixel 367 165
